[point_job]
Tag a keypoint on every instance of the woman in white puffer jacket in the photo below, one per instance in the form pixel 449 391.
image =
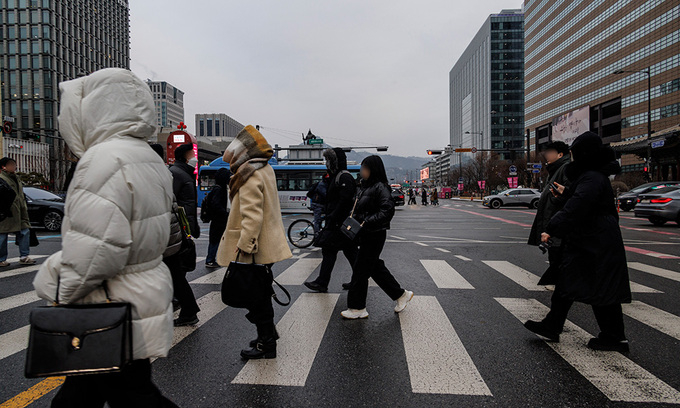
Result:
pixel 116 227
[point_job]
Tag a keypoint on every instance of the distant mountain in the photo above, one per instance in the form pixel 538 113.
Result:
pixel 398 168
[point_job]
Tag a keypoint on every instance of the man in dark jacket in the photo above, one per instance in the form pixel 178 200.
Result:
pixel 317 195
pixel 593 269
pixel 184 184
pixel 556 155
pixel 339 202
pixel 184 188
pixel 217 208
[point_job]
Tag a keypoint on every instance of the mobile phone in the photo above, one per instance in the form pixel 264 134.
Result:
pixel 553 187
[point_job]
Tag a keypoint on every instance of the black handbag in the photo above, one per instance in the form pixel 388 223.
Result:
pixel 247 284
pixel 34 239
pixel 351 227
pixel 185 259
pixel 79 339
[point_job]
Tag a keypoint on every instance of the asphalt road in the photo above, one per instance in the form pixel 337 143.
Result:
pixel 459 343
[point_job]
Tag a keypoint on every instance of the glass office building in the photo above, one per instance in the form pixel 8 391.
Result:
pixel 217 127
pixel 486 87
pixel 169 103
pixel 588 59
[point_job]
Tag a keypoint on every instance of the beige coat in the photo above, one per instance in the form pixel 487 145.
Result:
pixel 255 225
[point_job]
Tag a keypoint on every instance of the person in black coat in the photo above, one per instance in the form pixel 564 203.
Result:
pixel 374 210
pixel 423 195
pixel 339 202
pixel 594 269
pixel 557 157
pixel 184 184
pixel 217 208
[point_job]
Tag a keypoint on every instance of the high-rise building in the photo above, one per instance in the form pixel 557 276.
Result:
pixel 217 127
pixel 486 87
pixel 169 103
pixel 587 65
pixel 45 42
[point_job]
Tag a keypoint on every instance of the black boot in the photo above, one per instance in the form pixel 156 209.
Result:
pixel 265 345
pixel 543 329
pixel 253 342
pixel 316 287
pixel 605 342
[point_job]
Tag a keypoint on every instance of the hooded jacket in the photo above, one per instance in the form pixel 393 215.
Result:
pixel 117 213
pixel 341 190
pixel 593 268
pixel 17 216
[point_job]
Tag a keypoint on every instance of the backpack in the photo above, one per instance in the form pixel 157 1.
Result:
pixel 205 207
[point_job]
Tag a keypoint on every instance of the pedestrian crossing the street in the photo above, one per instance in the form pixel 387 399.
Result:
pixel 438 360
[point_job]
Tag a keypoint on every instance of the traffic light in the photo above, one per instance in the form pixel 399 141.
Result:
pixel 433 152
pixel 645 174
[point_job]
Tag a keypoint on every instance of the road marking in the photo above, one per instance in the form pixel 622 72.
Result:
pixel 394 236
pixel 661 320
pixel 212 278
pixel 446 251
pixel 299 272
pixel 492 217
pixel 420 243
pixel 301 330
pixel 649 230
pixel 19 271
pixel 463 258
pixel 34 393
pixel 617 377
pixel 211 305
pixel 522 277
pixel 444 276
pixel 18 300
pixel 13 342
pixel 296 251
pixel 437 360
pixel 664 273
pixel 35 257
pixel 651 253
pixel 638 288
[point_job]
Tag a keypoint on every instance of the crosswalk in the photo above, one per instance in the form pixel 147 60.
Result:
pixel 437 359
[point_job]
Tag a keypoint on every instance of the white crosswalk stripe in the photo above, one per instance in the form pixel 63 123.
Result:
pixel 35 257
pixel 18 300
pixel 661 320
pixel 299 272
pixel 18 271
pixel 437 360
pixel 617 377
pixel 13 341
pixel 212 278
pixel 301 330
pixel 463 258
pixel 529 281
pixel 653 270
pixel 444 276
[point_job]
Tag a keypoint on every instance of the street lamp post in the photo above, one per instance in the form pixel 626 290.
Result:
pixel 647 71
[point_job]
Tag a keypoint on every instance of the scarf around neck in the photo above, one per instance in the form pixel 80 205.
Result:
pixel 249 152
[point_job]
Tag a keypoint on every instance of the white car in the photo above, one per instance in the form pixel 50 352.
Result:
pixel 513 197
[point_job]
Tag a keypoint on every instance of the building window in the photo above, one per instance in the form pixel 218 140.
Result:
pixel 217 128
pixel 210 127
pixel 201 130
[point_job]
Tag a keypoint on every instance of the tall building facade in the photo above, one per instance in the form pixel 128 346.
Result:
pixel 45 42
pixel 217 127
pixel 486 87
pixel 169 102
pixel 587 64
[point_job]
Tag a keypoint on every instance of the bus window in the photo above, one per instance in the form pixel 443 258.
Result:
pixel 299 181
pixel 281 181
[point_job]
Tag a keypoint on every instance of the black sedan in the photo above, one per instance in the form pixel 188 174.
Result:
pixel 397 196
pixel 627 201
pixel 44 208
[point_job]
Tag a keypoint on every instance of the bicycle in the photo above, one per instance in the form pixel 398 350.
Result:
pixel 301 233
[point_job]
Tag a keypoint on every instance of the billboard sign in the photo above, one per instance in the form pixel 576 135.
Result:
pixel 567 127
pixel 425 174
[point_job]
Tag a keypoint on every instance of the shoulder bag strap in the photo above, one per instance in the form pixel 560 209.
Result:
pixel 276 299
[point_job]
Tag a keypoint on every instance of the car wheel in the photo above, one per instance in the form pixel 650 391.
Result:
pixel 534 204
pixel 657 221
pixel 495 204
pixel 52 221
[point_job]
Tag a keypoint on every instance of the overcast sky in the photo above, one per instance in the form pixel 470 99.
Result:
pixel 370 72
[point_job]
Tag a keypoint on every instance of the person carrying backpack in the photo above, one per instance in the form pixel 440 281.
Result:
pixel 317 194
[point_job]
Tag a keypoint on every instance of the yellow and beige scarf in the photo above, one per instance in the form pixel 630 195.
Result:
pixel 249 152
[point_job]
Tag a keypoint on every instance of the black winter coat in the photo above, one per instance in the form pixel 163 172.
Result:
pixel 548 204
pixel 374 207
pixel 218 213
pixel 339 200
pixel 184 187
pixel 593 269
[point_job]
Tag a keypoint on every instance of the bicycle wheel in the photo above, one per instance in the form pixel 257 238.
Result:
pixel 301 233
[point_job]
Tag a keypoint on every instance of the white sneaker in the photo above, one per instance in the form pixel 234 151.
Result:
pixel 403 301
pixel 354 314
pixel 27 261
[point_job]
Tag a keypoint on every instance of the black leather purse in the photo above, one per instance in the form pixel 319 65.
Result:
pixel 351 227
pixel 79 339
pixel 247 284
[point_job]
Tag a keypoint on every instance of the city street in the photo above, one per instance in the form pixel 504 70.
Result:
pixel 459 343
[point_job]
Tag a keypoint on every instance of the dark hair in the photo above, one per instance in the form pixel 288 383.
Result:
pixel 560 146
pixel 5 160
pixel 182 150
pixel 158 149
pixel 377 169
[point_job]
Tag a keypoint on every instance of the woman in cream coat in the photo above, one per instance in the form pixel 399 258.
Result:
pixel 255 228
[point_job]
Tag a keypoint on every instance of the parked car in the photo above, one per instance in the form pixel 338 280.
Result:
pixel 513 197
pixel 659 206
pixel 627 201
pixel 398 196
pixel 45 209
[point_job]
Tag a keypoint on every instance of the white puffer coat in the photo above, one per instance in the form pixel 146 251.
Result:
pixel 117 216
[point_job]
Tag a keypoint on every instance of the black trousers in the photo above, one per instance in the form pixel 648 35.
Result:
pixel 369 265
pixel 130 388
pixel 261 314
pixel 609 317
pixel 183 293
pixel 330 255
